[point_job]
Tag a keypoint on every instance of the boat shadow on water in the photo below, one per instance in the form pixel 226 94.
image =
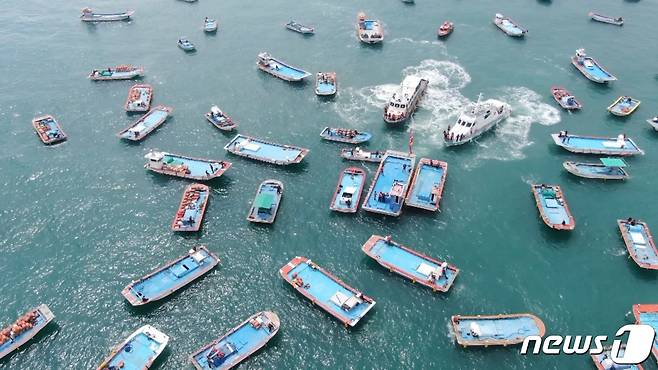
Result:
pixel 222 182
pixel 49 332
pixel 643 274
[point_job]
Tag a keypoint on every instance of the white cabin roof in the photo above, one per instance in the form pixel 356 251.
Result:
pixel 154 156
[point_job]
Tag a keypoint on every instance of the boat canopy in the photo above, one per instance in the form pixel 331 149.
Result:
pixel 613 162
pixel 264 201
pixel 154 156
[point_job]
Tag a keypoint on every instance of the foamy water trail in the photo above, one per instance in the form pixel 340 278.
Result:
pixel 444 102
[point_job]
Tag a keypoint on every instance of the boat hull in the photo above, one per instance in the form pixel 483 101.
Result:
pixel 135 95
pixel 596 145
pixel 136 297
pixel 350 155
pixel 604 78
pixel 199 358
pixel 641 248
pixel 411 105
pixel 248 147
pixel 273 187
pixel 606 19
pixel 48 130
pixel 389 187
pixel 553 209
pixel 419 195
pixel 595 171
pixel 44 316
pixel 107 17
pixel 160 113
pixel 653 124
pixel 227 125
pixel 157 343
pixel 222 166
pixel 350 177
pixel 324 89
pixel 330 134
pixel 510 325
pixel 559 92
pixel 406 262
pixel 302 266
pixel 280 69
pixel 618 108
pixel 647 314
pixel 117 75
pixel 199 208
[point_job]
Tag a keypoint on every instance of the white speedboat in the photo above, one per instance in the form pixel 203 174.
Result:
pixel 475 121
pixel 653 122
pixel 404 101
pixel 370 31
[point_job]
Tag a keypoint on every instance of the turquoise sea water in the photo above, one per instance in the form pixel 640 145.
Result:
pixel 83 218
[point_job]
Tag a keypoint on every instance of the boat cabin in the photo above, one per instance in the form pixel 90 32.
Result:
pixel 155 159
pixel 348 195
pixel 346 303
pixel 264 202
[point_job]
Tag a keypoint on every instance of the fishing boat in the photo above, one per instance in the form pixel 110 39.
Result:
pixel 192 208
pixel 619 146
pixel 325 290
pixel 358 154
pixel 238 344
pixel 624 106
pixel 89 16
pixel 639 243
pixel 552 206
pixel 24 329
pixel 404 101
pixel 603 360
pixel 345 135
pixel 277 68
pixel 48 130
pixel 210 25
pixel 139 129
pixel 300 28
pixel 187 167
pixel 266 203
pixel 138 351
pixel 413 265
pixel 348 190
pixel 121 72
pixel 369 31
pixel 427 184
pixel 496 330
pixel 590 68
pixel 326 84
pixel 647 314
pixel 139 98
pixel 388 189
pixel 563 97
pixel 265 151
pixel 446 28
pixel 608 169
pixel 475 121
pixel 508 26
pixel 219 119
pixel 653 122
pixel 167 279
pixel 617 21
pixel 186 44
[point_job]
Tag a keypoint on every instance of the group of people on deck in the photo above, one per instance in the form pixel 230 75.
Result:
pixel 24 323
pixel 348 133
pixel 451 135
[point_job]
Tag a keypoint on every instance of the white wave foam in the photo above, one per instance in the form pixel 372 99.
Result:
pixel 417 42
pixel 444 102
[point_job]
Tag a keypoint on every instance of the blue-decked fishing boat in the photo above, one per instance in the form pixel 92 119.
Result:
pixel 138 351
pixel 647 314
pixel 639 243
pixel 358 154
pixel 171 277
pixel 427 185
pixel 326 83
pixel 345 135
pixel 608 169
pixel 327 291
pixel 146 124
pixel 619 146
pixel 187 167
pixel 348 191
pixel 552 206
pixel 139 98
pixel 266 204
pixel 220 119
pixel 238 344
pixel 413 265
pixel 603 361
pixel 388 189
pixel 277 68
pixel 591 68
pixel 48 130
pixel 508 26
pixel 624 106
pixel 265 151
pixel 192 208
pixel 122 72
pixel 496 330
pixel 24 329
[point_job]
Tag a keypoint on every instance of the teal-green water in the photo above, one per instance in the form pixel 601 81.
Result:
pixel 80 220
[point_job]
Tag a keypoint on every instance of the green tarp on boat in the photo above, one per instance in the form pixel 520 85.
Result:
pixel 613 162
pixel 264 201
pixel 548 193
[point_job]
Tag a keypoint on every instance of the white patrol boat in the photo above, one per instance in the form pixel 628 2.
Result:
pixel 475 121
pixel 404 101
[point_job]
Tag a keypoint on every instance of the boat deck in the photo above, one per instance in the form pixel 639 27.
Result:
pixel 502 329
pixel 197 167
pixel 597 145
pixel 261 150
pixel 427 186
pixel 640 244
pixel 352 181
pixel 44 316
pixel 146 124
pixel 553 206
pixel 192 208
pixel 647 314
pixel 383 196
pixel 269 194
pixel 325 88
pixel 142 350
